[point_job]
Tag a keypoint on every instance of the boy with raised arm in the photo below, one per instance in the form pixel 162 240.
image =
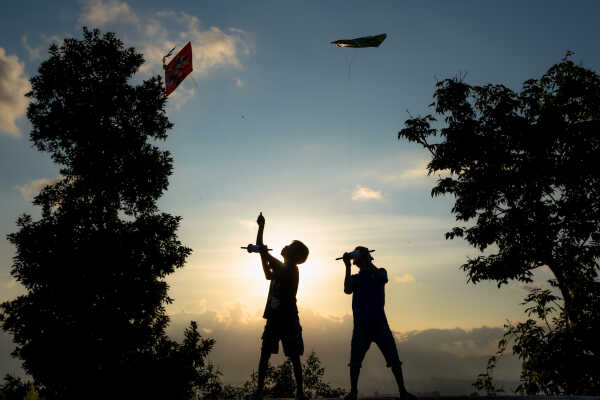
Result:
pixel 281 311
pixel 370 322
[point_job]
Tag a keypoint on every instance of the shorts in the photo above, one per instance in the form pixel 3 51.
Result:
pixel 364 335
pixel 288 330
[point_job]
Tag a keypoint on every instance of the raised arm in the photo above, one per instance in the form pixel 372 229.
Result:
pixel 347 279
pixel 261 228
pixel 259 242
pixel 269 263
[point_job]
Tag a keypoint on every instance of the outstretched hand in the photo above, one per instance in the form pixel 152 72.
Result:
pixel 260 220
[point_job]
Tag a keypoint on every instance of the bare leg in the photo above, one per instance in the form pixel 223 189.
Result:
pixel 263 364
pixel 298 375
pixel 404 395
pixel 397 371
pixel 354 374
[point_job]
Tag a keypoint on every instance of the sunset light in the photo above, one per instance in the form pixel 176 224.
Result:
pixel 145 145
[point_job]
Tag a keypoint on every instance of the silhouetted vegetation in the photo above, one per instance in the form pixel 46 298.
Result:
pixel 524 170
pixel 13 388
pixel 92 321
pixel 279 381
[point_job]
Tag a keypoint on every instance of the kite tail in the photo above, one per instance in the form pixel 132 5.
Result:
pixel 195 83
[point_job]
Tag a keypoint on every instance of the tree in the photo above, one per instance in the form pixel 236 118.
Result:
pixel 523 168
pixel 280 383
pixel 13 388
pixel 313 373
pixel 93 317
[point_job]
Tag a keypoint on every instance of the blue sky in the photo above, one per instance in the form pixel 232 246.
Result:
pixel 278 120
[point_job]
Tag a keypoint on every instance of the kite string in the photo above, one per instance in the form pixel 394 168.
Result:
pixel 349 61
pixel 348 98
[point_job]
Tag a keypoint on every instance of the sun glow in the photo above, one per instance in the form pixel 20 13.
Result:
pixel 315 273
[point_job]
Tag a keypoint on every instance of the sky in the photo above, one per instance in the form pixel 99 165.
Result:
pixel 276 119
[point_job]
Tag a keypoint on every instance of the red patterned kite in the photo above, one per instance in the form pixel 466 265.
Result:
pixel 178 68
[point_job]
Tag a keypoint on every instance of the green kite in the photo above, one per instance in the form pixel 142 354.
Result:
pixel 365 41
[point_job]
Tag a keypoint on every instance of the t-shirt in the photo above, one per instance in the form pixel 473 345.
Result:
pixel 368 296
pixel 282 292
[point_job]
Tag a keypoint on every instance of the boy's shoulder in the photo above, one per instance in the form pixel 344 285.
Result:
pixel 358 276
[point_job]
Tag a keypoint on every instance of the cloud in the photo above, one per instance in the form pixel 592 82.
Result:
pixel 418 171
pixel 13 87
pixel 35 53
pixel 155 34
pixel 248 224
pixel 99 13
pixel 410 176
pixel 181 96
pixel 406 278
pixel 31 189
pixel 402 172
pixel 447 360
pixel 212 48
pixel 365 193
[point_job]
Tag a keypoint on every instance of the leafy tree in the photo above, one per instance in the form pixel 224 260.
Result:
pixel 556 358
pixel 279 381
pixel 94 265
pixel 523 168
pixel 13 388
pixel 284 384
pixel 313 373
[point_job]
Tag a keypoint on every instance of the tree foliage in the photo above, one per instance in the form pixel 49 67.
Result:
pixel 280 383
pixel 13 388
pixel 524 171
pixel 94 266
pixel 558 358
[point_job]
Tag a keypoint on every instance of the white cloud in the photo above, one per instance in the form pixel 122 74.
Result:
pixel 35 53
pixel 418 171
pixel 155 34
pixel 248 224
pixel 13 86
pixel 212 48
pixel 31 189
pixel 181 96
pixel 365 193
pixel 99 13
pixel 406 278
pixel 416 174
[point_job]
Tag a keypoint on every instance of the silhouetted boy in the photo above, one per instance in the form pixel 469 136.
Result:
pixel 370 322
pixel 281 311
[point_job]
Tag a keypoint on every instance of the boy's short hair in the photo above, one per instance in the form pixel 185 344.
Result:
pixel 300 252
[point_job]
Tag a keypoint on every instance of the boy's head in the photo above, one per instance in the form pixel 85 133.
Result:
pixel 363 258
pixel 295 252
